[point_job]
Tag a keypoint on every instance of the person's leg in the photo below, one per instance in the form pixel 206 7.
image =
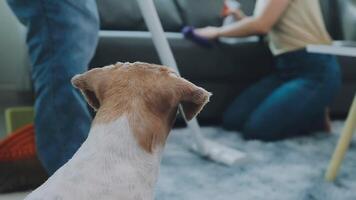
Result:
pixel 242 107
pixel 62 37
pixel 293 108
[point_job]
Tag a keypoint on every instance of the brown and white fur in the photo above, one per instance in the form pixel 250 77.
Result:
pixel 136 107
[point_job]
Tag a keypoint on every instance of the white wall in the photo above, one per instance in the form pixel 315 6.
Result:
pixel 14 65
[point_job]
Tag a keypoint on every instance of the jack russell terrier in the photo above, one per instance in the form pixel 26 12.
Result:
pixel 136 106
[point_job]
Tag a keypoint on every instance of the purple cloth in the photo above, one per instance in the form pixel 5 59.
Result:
pixel 188 33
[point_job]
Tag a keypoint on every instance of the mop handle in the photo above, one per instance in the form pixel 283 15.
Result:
pixel 165 54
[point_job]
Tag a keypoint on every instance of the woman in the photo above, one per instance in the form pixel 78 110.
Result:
pixel 293 100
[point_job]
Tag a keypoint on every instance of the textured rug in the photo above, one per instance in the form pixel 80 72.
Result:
pixel 292 169
pixel 288 170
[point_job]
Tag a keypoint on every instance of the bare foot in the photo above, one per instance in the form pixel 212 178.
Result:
pixel 327 120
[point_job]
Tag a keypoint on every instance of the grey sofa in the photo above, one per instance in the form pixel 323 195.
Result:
pixel 227 69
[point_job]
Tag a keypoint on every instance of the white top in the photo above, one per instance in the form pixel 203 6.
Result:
pixel 301 24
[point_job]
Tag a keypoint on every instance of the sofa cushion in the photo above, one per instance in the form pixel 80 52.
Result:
pixel 200 13
pixel 348 19
pixel 248 6
pixel 225 62
pixel 331 18
pixel 126 15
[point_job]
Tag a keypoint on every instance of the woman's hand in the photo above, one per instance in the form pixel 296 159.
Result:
pixel 209 32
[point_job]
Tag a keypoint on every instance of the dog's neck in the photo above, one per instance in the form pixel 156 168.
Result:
pixel 116 137
pixel 119 157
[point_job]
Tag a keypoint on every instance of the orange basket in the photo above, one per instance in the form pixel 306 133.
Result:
pixel 18 145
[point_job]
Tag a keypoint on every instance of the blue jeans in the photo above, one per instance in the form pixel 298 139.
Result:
pixel 61 37
pixel 290 102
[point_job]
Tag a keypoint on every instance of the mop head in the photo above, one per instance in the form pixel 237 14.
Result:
pixel 189 34
pixel 220 153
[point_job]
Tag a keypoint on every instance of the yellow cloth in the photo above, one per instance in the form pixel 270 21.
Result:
pixel 301 24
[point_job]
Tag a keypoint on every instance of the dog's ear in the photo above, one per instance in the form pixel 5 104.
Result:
pixel 193 98
pixel 89 84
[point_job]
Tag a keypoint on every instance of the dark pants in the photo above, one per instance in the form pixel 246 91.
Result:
pixel 288 103
pixel 61 38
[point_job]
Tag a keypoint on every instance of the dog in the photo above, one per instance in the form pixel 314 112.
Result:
pixel 136 106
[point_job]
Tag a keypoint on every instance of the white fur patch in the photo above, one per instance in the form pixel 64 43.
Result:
pixel 109 165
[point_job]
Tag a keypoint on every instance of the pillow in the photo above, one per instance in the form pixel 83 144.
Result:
pixel 126 15
pixel 200 13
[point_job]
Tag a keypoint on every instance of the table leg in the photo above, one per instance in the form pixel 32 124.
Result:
pixel 343 144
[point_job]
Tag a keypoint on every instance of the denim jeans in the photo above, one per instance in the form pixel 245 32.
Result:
pixel 61 37
pixel 289 102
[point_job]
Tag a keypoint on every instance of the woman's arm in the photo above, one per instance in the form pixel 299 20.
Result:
pixel 254 25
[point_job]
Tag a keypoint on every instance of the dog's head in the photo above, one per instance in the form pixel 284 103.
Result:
pixel 147 94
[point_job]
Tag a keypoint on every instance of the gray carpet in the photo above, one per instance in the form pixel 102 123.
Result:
pixel 287 170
